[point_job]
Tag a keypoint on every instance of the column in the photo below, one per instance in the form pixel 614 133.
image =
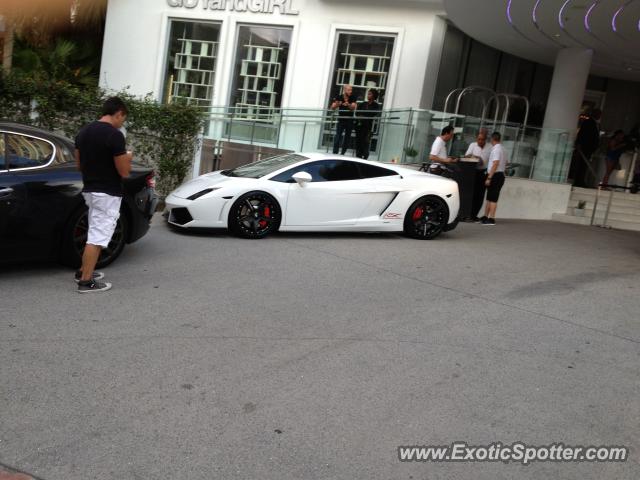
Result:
pixel 563 109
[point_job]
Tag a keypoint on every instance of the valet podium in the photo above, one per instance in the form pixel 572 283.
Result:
pixel 465 176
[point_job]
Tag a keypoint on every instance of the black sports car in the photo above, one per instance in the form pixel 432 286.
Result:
pixel 42 212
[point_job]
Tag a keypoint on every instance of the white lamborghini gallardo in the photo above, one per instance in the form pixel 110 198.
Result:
pixel 317 193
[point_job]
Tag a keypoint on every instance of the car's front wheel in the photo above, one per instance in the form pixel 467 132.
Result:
pixel 426 218
pixel 75 238
pixel 255 215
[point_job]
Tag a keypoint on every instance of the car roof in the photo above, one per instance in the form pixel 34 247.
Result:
pixel 31 130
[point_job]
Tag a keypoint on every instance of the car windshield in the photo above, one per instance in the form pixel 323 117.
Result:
pixel 264 167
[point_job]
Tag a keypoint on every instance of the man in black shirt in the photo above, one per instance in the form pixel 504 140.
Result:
pixel 587 142
pixel 346 104
pixel 366 114
pixel 103 159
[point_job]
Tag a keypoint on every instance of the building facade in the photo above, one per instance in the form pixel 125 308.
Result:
pixel 265 54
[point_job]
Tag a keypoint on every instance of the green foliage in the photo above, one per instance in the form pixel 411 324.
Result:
pixel 411 152
pixel 164 137
pixel 65 60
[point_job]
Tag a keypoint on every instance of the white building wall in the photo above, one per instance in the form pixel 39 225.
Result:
pixel 136 39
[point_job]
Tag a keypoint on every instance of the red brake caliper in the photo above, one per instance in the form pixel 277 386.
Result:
pixel 267 213
pixel 417 214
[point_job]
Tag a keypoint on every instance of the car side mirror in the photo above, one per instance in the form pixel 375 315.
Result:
pixel 302 178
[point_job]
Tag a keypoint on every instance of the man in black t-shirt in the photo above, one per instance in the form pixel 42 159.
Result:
pixel 367 112
pixel 346 104
pixel 103 159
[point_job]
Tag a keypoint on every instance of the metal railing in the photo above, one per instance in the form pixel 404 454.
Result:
pixel 399 136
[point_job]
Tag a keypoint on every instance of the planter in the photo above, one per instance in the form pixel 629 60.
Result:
pixel 578 212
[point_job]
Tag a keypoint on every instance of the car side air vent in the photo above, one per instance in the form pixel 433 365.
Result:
pixel 180 216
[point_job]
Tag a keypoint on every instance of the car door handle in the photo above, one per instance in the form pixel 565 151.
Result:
pixel 5 192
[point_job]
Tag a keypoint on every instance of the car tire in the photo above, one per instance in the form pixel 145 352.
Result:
pixel 75 237
pixel 426 218
pixel 254 215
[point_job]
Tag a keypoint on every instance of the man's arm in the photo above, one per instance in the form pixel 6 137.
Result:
pixel 437 159
pixel 123 164
pixel 76 154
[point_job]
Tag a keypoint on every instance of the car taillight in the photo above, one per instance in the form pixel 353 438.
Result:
pixel 151 180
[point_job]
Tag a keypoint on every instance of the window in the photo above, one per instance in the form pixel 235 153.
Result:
pixel 28 152
pixel 191 62
pixel 265 167
pixel 362 61
pixel 323 171
pixel 260 67
pixel 372 171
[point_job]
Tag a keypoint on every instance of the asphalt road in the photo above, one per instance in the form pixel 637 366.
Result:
pixel 315 356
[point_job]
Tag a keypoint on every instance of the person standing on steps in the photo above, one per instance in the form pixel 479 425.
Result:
pixel 345 104
pixel 102 157
pixel 587 142
pixel 615 149
pixel 494 182
pixel 367 112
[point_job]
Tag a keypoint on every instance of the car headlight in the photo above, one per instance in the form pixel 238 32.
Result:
pixel 202 193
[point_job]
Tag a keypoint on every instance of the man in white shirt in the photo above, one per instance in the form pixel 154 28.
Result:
pixel 439 148
pixel 498 160
pixel 479 150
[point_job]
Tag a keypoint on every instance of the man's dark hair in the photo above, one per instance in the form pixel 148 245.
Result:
pixel 374 93
pixel 447 130
pixel 114 105
pixel 496 136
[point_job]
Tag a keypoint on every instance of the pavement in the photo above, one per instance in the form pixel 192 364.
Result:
pixel 307 356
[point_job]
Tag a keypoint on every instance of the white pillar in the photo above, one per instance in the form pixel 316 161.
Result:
pixel 563 109
pixel 567 88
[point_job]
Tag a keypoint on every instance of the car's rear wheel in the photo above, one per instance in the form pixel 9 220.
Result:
pixel 255 215
pixel 426 218
pixel 75 238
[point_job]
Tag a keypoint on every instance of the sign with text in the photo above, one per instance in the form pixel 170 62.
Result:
pixel 284 7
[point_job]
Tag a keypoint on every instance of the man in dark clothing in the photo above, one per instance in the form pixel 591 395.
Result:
pixel 366 114
pixel 587 142
pixel 346 104
pixel 103 159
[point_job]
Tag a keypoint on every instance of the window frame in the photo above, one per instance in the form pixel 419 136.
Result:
pixel 358 165
pixel 234 75
pixel 54 153
pixel 392 173
pixel 162 75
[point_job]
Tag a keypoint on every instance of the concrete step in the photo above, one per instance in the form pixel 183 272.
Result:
pixel 631 212
pixel 590 194
pixel 624 213
pixel 586 220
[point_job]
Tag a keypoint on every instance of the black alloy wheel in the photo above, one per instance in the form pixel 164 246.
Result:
pixel 76 237
pixel 255 215
pixel 426 218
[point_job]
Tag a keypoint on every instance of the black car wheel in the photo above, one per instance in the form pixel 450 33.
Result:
pixel 255 215
pixel 75 238
pixel 426 218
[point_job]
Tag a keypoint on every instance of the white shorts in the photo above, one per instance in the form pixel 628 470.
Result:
pixel 104 211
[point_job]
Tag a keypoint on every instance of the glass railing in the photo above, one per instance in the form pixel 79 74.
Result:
pixel 399 136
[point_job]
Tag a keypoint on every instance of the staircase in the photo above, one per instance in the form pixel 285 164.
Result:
pixel 624 213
